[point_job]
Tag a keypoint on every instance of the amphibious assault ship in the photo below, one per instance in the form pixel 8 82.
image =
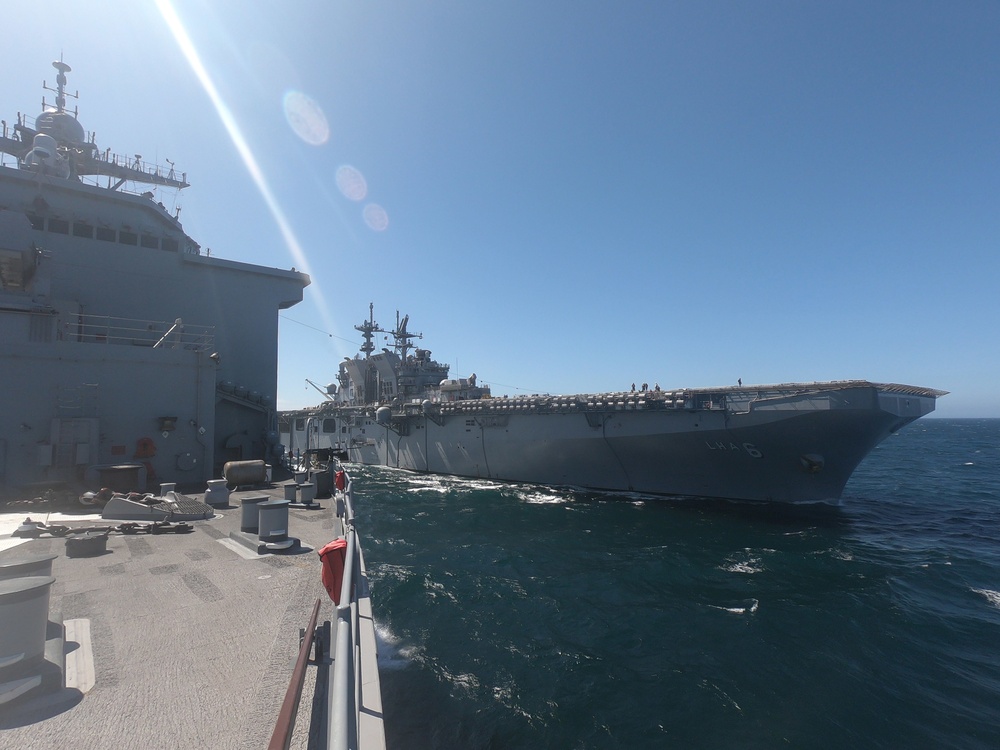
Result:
pixel 127 356
pixel 793 442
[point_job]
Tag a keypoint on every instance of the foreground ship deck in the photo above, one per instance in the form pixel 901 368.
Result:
pixel 192 637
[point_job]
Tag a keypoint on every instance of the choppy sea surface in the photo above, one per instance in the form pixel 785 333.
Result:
pixel 518 616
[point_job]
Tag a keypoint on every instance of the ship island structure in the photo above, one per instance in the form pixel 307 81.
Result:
pixel 793 442
pixel 127 355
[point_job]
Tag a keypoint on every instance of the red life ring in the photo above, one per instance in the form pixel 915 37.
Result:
pixel 333 556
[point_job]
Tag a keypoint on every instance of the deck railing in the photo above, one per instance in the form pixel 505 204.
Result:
pixel 108 329
pixel 281 738
pixel 345 697
pixel 345 681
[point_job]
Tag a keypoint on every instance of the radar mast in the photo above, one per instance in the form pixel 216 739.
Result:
pixel 402 336
pixel 60 89
pixel 368 329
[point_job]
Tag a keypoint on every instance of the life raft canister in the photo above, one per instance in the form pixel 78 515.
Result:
pixel 333 556
pixel 340 479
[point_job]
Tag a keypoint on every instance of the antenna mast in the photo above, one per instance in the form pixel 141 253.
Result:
pixel 368 329
pixel 60 89
pixel 402 337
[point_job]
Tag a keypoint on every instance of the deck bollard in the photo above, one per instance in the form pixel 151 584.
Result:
pixel 273 533
pixel 290 489
pixel 249 519
pixel 274 525
pixel 24 610
pixel 166 487
pixel 29 565
pixel 217 493
pixel 307 493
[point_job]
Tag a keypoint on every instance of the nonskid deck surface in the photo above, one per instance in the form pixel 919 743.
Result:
pixel 193 637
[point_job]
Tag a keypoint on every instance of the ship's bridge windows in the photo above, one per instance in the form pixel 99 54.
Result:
pixel 300 424
pixel 106 235
pixel 329 425
pixel 127 238
pixel 169 243
pixel 148 240
pixel 59 226
pixel 83 229
pixel 37 222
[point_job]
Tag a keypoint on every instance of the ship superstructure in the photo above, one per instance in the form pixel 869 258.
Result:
pixel 793 442
pixel 123 348
pixel 396 376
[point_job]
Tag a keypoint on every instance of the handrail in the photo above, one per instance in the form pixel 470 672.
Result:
pixel 91 153
pixel 106 329
pixel 282 736
pixel 177 326
pixel 342 726
pixel 339 729
pixel 352 699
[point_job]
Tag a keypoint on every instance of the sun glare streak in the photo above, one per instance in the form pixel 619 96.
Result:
pixel 187 47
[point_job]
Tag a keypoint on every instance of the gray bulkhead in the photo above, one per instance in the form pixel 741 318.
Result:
pixel 87 379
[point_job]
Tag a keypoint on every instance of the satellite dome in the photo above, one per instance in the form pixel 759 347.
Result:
pixel 60 125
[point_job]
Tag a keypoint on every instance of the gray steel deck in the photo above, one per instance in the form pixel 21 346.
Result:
pixel 193 636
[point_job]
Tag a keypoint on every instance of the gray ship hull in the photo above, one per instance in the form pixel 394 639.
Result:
pixel 792 443
pixel 128 357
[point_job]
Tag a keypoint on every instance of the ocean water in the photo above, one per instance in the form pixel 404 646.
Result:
pixel 517 616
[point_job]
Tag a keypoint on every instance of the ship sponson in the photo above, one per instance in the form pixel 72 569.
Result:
pixel 793 442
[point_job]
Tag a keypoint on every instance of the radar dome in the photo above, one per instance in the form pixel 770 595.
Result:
pixel 60 125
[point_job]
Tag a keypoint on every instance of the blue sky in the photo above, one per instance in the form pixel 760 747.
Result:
pixel 574 196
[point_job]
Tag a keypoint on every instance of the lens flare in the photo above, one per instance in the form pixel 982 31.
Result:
pixel 351 183
pixel 187 48
pixel 375 217
pixel 306 118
